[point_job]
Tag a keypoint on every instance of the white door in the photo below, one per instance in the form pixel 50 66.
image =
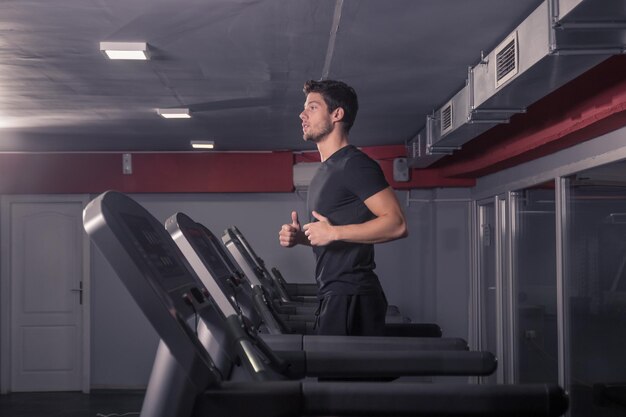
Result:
pixel 47 279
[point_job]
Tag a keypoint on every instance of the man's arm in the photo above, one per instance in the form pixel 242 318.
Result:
pixel 389 224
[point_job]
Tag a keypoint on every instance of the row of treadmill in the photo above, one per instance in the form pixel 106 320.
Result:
pixel 237 339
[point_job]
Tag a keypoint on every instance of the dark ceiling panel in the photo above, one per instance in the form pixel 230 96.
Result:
pixel 239 65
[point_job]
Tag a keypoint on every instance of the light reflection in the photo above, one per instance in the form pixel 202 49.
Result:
pixel 58 119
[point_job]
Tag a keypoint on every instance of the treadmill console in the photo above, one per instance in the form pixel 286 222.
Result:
pixel 151 267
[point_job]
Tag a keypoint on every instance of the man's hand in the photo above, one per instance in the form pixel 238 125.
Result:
pixel 288 235
pixel 321 232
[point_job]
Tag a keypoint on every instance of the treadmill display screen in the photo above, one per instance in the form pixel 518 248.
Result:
pixel 209 253
pixel 221 250
pixel 152 247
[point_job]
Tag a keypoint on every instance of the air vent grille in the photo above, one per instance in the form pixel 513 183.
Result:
pixel 412 148
pixel 415 149
pixel 506 60
pixel 446 118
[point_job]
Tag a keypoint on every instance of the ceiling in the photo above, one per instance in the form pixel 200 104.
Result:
pixel 239 65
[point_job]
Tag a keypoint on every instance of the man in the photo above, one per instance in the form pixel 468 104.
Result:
pixel 352 207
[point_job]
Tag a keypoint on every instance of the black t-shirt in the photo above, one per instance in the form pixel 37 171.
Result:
pixel 337 191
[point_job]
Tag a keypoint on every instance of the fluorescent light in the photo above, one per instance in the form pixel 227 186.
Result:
pixel 181 113
pixel 202 144
pixel 125 50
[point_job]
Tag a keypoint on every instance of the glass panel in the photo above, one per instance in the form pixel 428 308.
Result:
pixel 595 279
pixel 504 308
pixel 487 253
pixel 534 284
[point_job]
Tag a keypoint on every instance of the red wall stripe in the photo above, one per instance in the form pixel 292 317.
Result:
pixel 174 172
pixel 422 178
pixel 375 152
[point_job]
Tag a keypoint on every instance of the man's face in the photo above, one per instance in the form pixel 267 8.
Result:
pixel 316 121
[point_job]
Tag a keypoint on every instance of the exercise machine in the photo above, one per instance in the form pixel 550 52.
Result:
pixel 199 345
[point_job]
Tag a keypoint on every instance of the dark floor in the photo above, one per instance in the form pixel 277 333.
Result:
pixel 118 403
pixel 99 403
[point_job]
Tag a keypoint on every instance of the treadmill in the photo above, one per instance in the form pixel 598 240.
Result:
pixel 214 267
pixel 257 275
pixel 287 292
pixel 199 344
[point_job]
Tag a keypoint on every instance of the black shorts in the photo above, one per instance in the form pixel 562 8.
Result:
pixel 352 315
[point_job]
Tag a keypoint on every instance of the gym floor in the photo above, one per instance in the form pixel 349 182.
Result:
pixel 121 403
pixel 99 403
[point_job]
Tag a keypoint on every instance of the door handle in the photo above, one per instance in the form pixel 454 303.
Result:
pixel 79 291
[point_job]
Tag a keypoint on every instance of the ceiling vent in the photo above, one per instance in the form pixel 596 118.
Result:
pixel 451 126
pixel 506 60
pixel 557 42
pixel 420 150
pixel 414 150
pixel 413 146
pixel 446 118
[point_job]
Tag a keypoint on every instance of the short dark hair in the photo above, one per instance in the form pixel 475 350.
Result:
pixel 336 94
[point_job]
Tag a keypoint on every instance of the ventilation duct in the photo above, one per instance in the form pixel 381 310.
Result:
pixel 558 41
pixel 419 148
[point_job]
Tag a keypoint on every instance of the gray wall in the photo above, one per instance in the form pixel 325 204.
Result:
pixel 437 257
pixel 425 286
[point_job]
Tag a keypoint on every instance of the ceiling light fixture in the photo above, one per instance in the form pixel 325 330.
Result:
pixel 125 50
pixel 202 144
pixel 181 113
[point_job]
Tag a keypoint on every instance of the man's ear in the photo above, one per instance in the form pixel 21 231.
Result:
pixel 337 114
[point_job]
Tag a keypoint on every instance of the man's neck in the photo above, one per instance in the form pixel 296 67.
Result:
pixel 331 144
